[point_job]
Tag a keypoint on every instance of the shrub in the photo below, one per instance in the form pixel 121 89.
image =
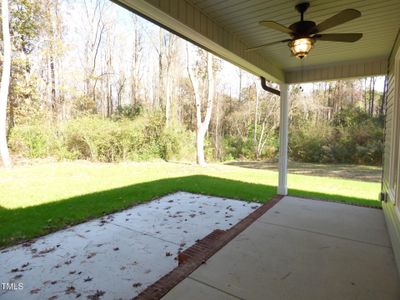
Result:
pixel 107 140
pixel 32 141
pixel 352 137
pixel 128 111
pixel 309 143
pixel 178 143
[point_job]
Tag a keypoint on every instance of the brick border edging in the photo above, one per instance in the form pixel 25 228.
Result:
pixel 191 258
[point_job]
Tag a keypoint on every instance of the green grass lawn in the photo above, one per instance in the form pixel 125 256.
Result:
pixel 38 199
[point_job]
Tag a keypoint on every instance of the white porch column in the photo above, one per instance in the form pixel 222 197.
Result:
pixel 283 140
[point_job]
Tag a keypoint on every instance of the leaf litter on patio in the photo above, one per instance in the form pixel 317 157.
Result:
pixel 119 255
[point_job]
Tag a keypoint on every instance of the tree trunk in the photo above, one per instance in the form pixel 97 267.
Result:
pixel 200 136
pixel 216 133
pixel 53 94
pixel 137 54
pixel 168 101
pixel 202 126
pixel 5 83
pixel 11 116
pixel 256 120
pixel 365 95
pixel 383 99
pixel 240 84
pixel 160 71
pixel 170 56
pixel 373 96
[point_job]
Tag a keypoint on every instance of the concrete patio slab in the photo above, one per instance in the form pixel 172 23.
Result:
pixel 183 217
pixel 337 219
pixel 195 290
pixel 303 258
pixel 117 256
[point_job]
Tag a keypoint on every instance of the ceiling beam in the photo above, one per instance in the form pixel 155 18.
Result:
pixel 341 70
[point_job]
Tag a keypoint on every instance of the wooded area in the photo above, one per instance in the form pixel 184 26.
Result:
pixel 90 80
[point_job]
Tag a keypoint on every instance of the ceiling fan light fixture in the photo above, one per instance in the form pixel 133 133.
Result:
pixel 301 47
pixel 304 33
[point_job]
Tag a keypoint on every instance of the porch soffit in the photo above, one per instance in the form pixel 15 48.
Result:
pixel 227 28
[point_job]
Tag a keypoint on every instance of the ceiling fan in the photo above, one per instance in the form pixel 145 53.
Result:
pixel 305 33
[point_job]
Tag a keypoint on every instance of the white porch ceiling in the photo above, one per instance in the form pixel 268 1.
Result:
pixel 233 25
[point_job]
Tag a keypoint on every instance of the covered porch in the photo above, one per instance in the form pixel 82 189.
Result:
pixel 300 249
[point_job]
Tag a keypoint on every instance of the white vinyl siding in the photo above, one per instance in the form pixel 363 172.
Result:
pixel 391 156
pixel 395 137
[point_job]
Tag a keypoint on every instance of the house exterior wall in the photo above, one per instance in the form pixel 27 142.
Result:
pixel 392 132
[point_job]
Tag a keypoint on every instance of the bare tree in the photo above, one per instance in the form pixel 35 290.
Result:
pixel 201 125
pixel 53 41
pixel 240 73
pixel 5 83
pixel 268 121
pixel 137 53
pixel 95 28
pixel 170 56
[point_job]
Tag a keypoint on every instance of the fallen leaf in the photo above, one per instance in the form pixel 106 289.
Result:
pixel 96 296
pixel 70 290
pixel 35 291
pixel 47 250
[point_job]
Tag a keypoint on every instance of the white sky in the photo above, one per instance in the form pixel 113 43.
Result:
pixel 379 85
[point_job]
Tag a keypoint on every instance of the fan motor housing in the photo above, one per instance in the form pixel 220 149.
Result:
pixel 302 28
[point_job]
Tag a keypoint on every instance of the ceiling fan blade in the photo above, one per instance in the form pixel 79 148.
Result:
pixel 265 45
pixel 276 26
pixel 338 19
pixel 339 37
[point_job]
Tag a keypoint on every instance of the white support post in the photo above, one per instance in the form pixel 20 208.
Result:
pixel 283 140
